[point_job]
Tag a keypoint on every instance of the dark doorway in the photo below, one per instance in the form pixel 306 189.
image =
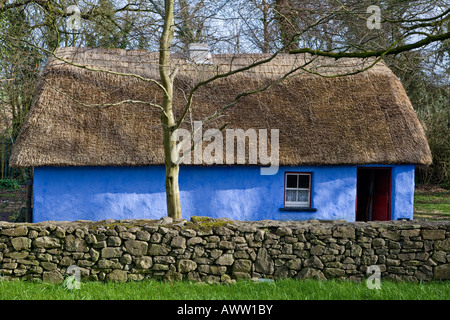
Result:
pixel 373 194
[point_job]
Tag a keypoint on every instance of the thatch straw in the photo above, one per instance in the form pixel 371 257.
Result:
pixel 357 119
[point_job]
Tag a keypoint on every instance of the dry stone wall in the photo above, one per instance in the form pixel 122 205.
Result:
pixel 222 250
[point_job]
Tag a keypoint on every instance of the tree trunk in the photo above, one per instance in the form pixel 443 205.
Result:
pixel 266 23
pixel 287 20
pixel 173 192
pixel 167 116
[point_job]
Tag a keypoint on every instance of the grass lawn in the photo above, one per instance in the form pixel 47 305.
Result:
pixel 431 203
pixel 241 290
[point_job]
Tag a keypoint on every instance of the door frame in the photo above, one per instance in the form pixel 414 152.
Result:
pixel 389 193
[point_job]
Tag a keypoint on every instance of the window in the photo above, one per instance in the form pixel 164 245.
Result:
pixel 297 190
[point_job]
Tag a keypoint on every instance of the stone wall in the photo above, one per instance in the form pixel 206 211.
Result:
pixel 205 249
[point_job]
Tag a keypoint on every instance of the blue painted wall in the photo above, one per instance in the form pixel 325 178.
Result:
pixel 238 192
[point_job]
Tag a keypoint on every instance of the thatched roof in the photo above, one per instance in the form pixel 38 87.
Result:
pixel 357 119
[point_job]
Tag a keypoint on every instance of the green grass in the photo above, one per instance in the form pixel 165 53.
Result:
pixel 241 290
pixel 432 204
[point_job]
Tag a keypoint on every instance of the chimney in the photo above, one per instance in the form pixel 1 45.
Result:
pixel 199 53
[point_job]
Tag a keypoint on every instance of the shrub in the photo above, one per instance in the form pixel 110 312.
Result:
pixel 9 184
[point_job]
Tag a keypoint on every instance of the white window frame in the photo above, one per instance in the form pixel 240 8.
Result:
pixel 302 204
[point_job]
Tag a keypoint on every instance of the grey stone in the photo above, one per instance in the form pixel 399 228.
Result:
pixel 185 266
pixel 443 245
pixel 310 273
pixel 166 220
pixel 334 272
pixel 241 276
pixel 226 278
pixel 95 255
pixel 294 264
pixel 114 241
pixel 223 231
pixel 406 256
pixel 442 272
pixel 241 255
pixel 313 262
pixel 117 276
pixel 91 239
pixel 66 261
pixel 410 233
pixel 108 264
pixel 259 235
pixel 142 235
pixel 21 243
pixel 85 263
pixel 126 259
pixel 145 262
pixel 391 235
pixel 213 239
pixel 284 231
pixel 194 241
pixel 355 251
pixel 158 249
pixel 126 235
pixel 412 244
pixel 189 233
pixel 178 242
pixel 52 277
pixel 49 266
pixel 156 237
pixel 264 263
pixel 172 276
pixel 75 244
pixel 433 234
pixel 160 267
pixel 281 272
pixel 439 256
pixel 378 242
pixel 211 269
pixel 344 232
pixel 33 234
pixel 19 231
pixel 46 242
pixel 242 265
pixel 99 245
pixel 114 252
pixel 136 247
pixel 59 232
pixel 317 250
pixel 36 270
pixel 164 259
pixel 9 265
pixel 226 245
pixel 225 260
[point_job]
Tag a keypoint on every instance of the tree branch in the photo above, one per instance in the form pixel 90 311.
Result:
pixel 368 54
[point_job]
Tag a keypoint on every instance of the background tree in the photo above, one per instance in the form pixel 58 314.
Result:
pixel 412 38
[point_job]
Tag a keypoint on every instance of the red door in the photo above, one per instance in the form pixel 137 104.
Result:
pixel 373 195
pixel 381 195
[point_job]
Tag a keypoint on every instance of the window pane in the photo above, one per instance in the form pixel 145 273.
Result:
pixel 303 195
pixel 291 181
pixel 291 195
pixel 303 181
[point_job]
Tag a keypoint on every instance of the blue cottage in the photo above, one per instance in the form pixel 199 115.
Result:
pixel 327 142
